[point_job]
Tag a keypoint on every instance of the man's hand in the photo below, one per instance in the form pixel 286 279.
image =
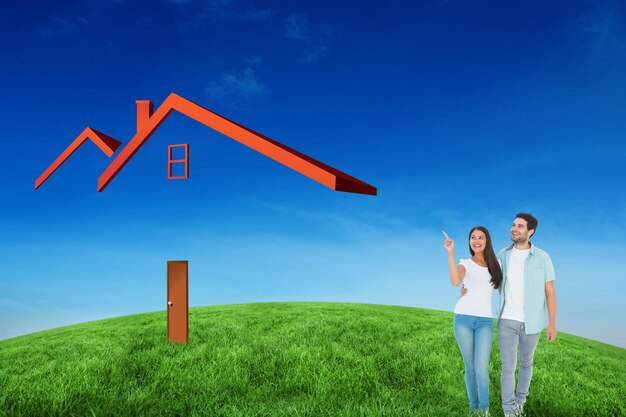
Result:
pixel 551 302
pixel 551 332
pixel 464 290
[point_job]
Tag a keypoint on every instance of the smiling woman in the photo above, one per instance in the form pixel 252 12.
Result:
pixel 473 313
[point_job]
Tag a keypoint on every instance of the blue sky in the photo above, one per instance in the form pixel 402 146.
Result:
pixel 460 112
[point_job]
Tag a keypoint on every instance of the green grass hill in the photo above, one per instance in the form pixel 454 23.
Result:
pixel 288 359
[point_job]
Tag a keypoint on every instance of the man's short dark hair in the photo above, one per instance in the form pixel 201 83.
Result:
pixel 530 219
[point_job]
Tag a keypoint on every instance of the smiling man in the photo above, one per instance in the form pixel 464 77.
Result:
pixel 527 306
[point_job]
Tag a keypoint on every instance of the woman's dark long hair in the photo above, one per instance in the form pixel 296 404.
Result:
pixel 490 257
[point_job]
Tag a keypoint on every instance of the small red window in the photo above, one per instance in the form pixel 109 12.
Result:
pixel 182 151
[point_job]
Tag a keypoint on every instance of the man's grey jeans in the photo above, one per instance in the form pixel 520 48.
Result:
pixel 511 334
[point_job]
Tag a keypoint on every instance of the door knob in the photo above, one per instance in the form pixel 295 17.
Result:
pixel 169 303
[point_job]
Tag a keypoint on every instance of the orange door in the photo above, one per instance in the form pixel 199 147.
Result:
pixel 177 302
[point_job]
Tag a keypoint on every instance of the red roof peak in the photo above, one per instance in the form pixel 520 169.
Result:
pixel 148 121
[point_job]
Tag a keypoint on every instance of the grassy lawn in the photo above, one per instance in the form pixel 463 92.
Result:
pixel 288 359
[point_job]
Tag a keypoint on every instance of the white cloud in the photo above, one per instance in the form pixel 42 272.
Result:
pixel 605 32
pixel 60 26
pixel 249 14
pixel 315 40
pixel 198 12
pixel 297 27
pixel 234 88
pixel 70 21
pixel 254 60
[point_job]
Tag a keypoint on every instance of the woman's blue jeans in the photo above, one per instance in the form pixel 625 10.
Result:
pixel 474 336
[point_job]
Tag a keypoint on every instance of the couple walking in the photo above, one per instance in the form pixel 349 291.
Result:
pixel 524 277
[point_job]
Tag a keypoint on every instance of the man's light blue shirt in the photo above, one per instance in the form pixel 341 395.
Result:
pixel 538 270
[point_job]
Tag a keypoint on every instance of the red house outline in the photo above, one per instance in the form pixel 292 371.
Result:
pixel 148 122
